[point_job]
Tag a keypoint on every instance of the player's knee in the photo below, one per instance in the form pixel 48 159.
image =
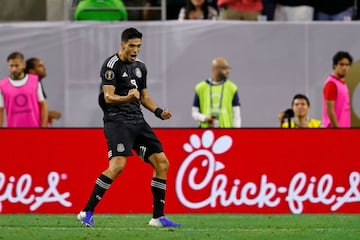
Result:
pixel 117 169
pixel 159 162
pixel 116 165
pixel 163 165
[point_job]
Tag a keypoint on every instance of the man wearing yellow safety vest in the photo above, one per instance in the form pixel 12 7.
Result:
pixel 216 103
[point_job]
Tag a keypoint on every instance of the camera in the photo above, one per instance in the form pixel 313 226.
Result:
pixel 288 113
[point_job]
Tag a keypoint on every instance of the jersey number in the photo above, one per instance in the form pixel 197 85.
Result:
pixel 133 82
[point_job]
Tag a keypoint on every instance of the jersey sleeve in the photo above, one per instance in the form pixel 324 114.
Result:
pixel 144 77
pixel 330 91
pixel 108 71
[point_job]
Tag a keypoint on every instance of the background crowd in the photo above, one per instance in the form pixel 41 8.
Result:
pixel 270 10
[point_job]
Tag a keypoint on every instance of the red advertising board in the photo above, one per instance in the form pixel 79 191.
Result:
pixel 211 171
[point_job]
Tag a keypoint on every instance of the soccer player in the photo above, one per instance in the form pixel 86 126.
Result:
pixel 124 90
pixel 336 97
pixel 36 66
pixel 21 96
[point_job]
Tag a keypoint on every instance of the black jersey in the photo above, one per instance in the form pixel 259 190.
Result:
pixel 123 76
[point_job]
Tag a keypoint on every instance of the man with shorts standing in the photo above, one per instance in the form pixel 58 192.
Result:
pixel 124 90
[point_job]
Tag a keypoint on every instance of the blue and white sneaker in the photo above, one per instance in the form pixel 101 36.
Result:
pixel 163 222
pixel 86 218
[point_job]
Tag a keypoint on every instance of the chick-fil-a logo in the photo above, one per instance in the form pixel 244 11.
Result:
pixel 300 189
pixel 21 190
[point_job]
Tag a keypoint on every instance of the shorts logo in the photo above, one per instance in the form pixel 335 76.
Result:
pixel 138 72
pixel 110 154
pixel 109 75
pixel 120 147
pixel 142 152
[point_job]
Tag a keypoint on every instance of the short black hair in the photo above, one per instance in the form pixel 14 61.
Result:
pixel 15 55
pixel 340 55
pixel 30 64
pixel 300 96
pixel 130 33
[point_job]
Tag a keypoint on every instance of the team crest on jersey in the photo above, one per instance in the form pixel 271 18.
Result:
pixel 120 147
pixel 138 72
pixel 109 75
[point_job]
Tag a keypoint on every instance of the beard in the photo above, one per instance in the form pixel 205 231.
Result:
pixel 222 77
pixel 16 76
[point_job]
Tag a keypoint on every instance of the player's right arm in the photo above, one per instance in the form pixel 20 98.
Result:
pixel 330 110
pixel 108 74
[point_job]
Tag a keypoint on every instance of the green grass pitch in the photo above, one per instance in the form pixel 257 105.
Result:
pixel 195 227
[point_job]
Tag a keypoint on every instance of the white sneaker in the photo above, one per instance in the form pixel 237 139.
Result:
pixel 86 218
pixel 163 222
pixel 155 222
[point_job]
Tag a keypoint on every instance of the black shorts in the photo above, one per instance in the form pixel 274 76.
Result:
pixel 123 137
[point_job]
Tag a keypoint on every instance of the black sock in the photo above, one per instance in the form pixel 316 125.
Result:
pixel 158 188
pixel 102 184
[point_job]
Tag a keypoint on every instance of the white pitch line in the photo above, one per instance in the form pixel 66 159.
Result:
pixel 178 229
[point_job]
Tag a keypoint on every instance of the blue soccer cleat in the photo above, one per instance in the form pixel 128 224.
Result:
pixel 86 218
pixel 163 222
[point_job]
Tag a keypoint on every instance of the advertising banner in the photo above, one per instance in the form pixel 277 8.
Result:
pixel 211 171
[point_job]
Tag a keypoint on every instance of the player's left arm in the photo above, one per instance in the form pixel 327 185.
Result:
pixel 150 104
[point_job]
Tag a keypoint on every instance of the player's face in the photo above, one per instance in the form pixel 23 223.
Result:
pixel 16 67
pixel 342 68
pixel 39 69
pixel 300 108
pixel 130 49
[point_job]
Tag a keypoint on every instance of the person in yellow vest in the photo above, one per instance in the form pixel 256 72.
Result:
pixel 298 114
pixel 216 103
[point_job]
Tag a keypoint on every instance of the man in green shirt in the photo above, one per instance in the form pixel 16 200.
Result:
pixel 101 10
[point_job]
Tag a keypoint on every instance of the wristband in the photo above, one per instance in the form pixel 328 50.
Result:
pixel 158 111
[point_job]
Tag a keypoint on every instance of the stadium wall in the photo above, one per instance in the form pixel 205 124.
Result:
pixel 270 63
